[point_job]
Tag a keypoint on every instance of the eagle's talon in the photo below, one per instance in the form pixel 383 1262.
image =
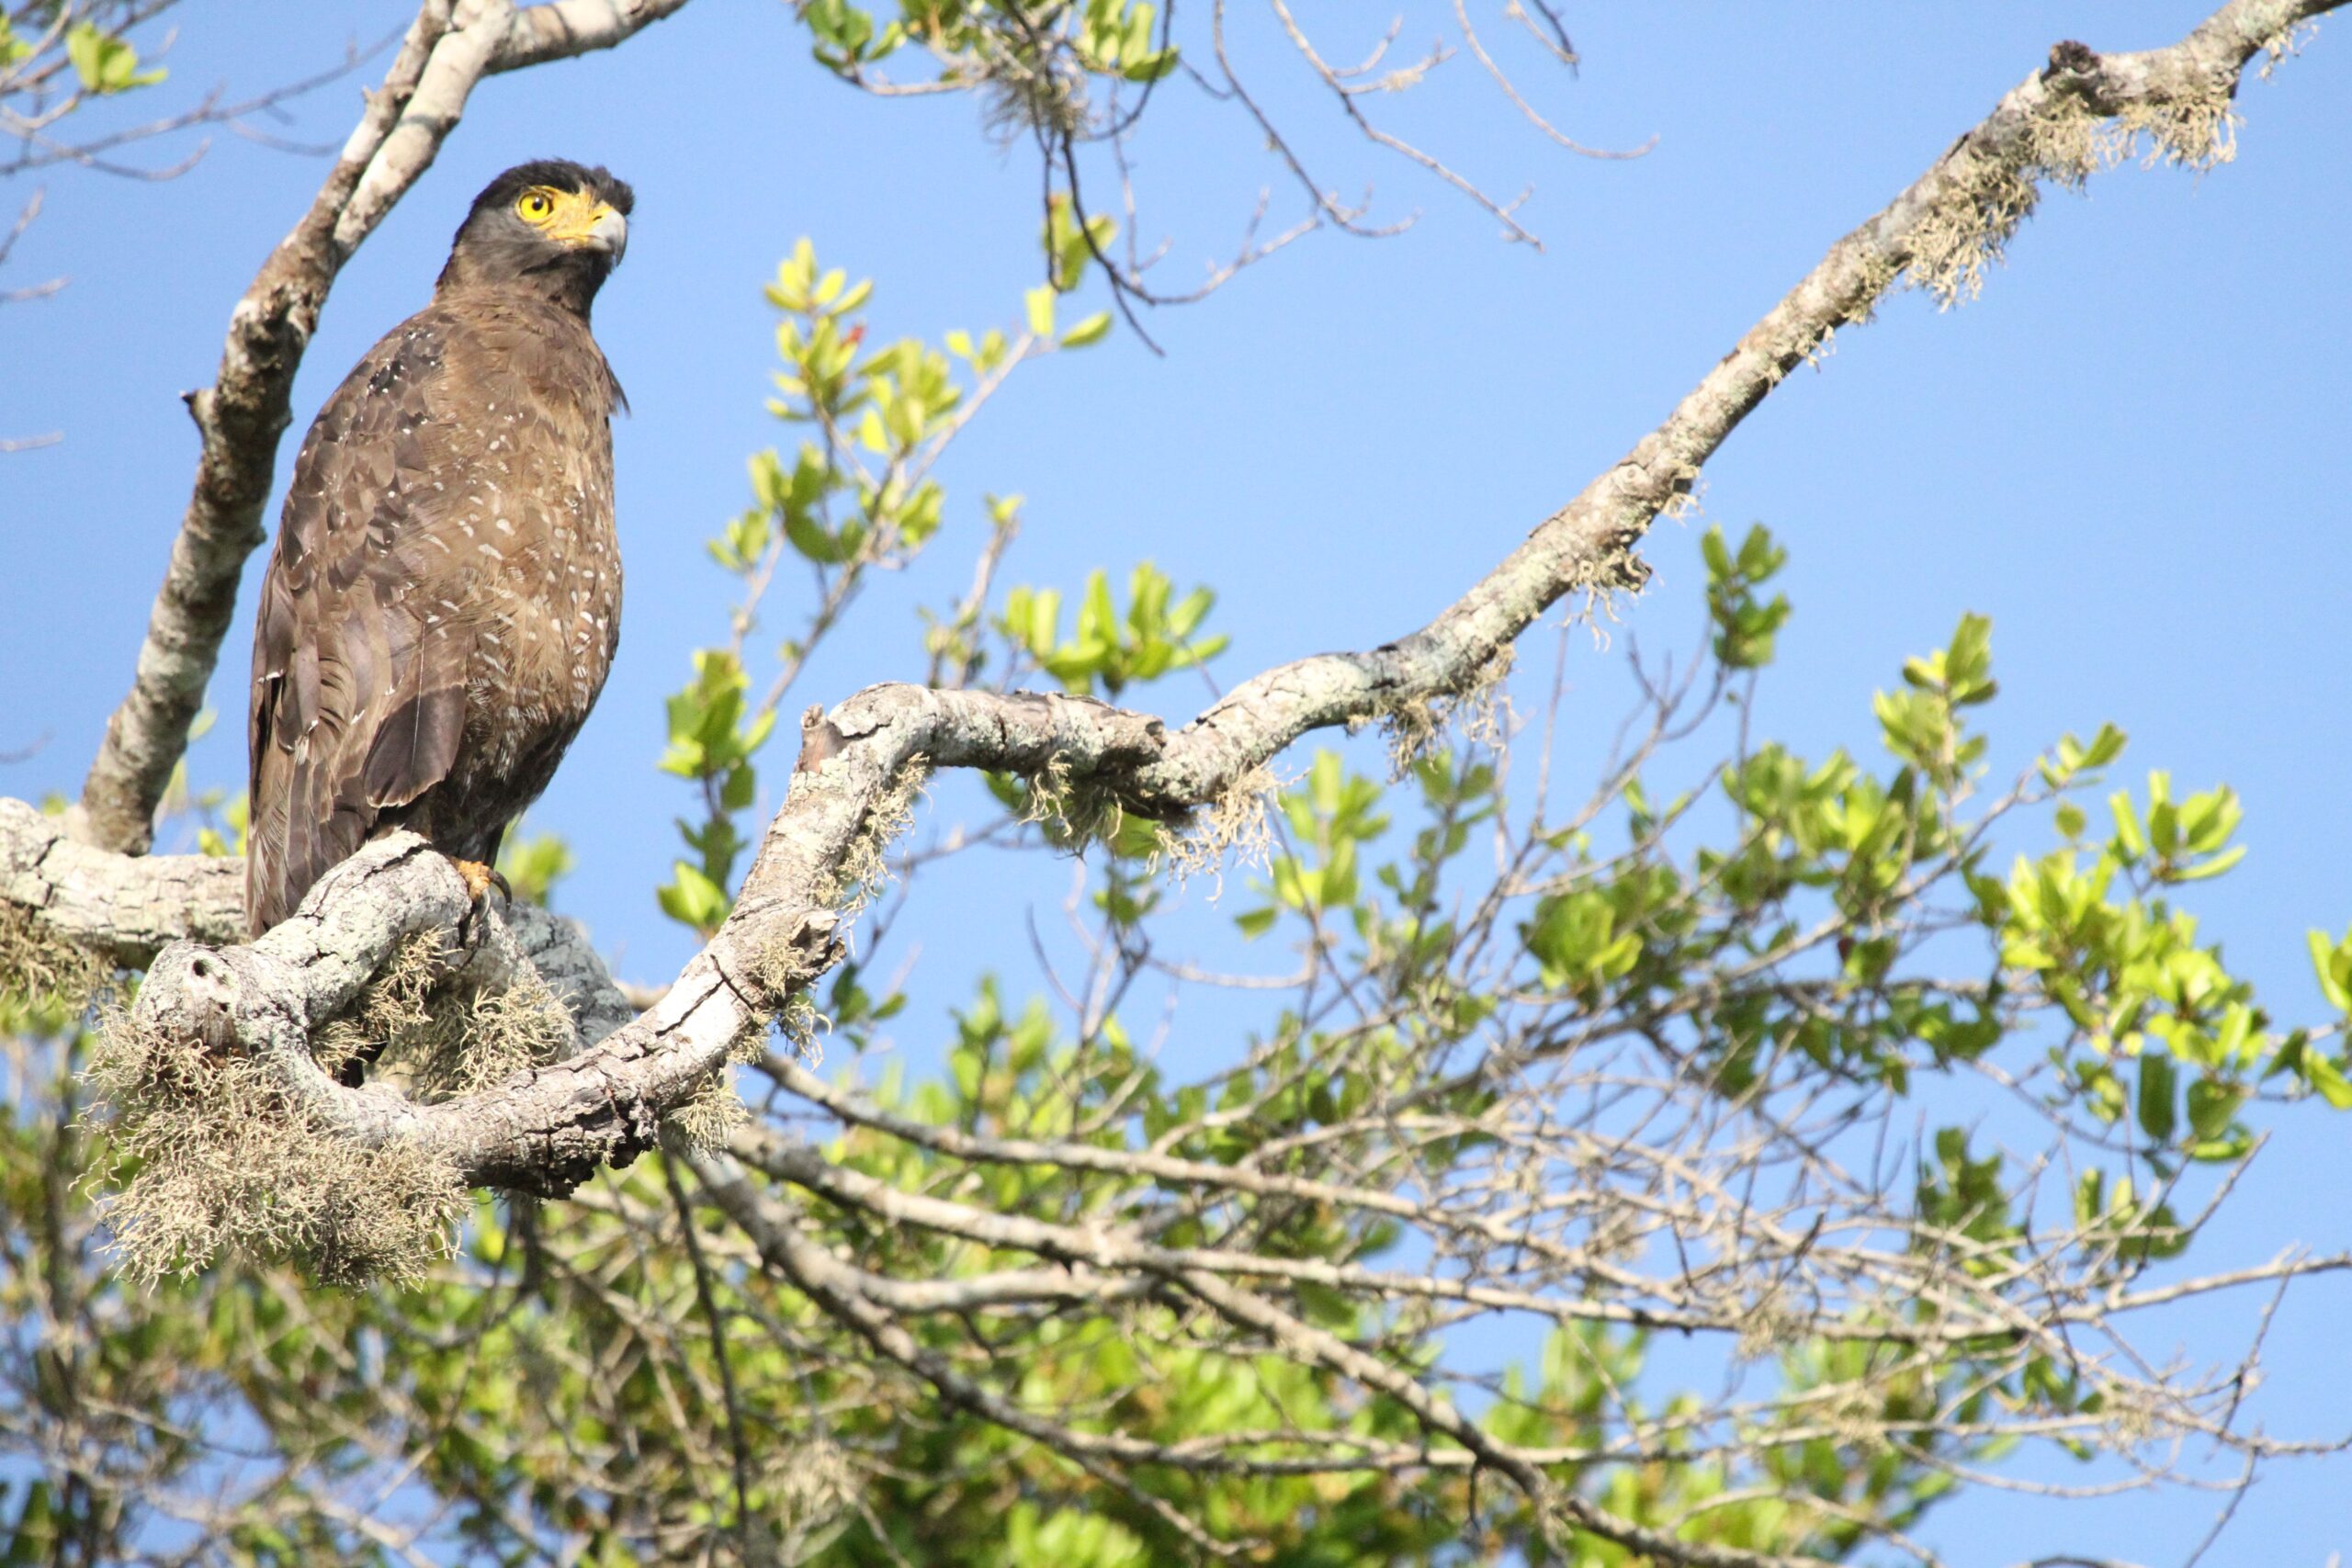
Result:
pixel 480 878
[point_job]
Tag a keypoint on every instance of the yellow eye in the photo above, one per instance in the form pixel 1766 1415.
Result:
pixel 537 206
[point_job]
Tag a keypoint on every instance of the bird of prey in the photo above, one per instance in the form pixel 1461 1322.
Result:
pixel 444 599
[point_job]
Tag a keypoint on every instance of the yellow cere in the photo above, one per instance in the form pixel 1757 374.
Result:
pixel 568 216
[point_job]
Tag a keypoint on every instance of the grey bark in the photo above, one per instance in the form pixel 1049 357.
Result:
pixel 548 1129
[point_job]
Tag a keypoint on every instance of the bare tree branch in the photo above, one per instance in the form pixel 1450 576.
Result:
pixel 126 908
pixel 605 1106
pixel 1617 1180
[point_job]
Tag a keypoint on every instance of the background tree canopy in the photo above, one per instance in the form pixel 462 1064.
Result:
pixel 1824 1046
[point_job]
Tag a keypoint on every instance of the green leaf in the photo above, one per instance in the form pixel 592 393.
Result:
pixel 1040 301
pixel 2159 1083
pixel 1968 664
pixel 2213 867
pixel 2211 1105
pixel 2328 1079
pixel 692 898
pixel 2130 840
pixel 1094 329
pixel 742 783
pixel 2331 961
pixel 106 64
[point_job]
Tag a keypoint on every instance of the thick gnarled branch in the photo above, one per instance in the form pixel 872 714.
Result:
pixel 550 1126
pixel 858 763
pixel 124 908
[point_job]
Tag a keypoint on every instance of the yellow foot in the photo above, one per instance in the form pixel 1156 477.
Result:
pixel 481 878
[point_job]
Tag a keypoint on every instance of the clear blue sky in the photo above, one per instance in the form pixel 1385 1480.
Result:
pixel 2130 454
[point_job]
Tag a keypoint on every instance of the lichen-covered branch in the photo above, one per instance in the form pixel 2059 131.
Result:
pixel 1953 216
pixel 1313 1212
pixel 240 417
pixel 551 1127
pixel 123 908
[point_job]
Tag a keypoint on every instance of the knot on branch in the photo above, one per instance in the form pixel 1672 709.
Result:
pixel 2070 58
pixel 1623 572
pixel 791 951
pixel 819 740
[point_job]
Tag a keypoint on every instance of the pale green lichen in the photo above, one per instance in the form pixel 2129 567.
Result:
pixel 2286 43
pixel 219 1161
pixel 704 1124
pixel 2198 132
pixel 782 972
pixel 1805 339
pixel 798 1023
pixel 715 1110
pixel 1987 195
pixel 1472 710
pixel 1236 825
pixel 864 868
pixel 813 1484
pixel 220 1158
pixel 436 1037
pixel 474 1044
pixel 1025 91
pixel 2064 143
pixel 40 969
pixel 1075 812
pixel 392 1011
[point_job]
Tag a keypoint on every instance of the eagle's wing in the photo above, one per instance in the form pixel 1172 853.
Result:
pixel 359 667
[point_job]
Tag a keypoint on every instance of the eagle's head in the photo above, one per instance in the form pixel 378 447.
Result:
pixel 552 225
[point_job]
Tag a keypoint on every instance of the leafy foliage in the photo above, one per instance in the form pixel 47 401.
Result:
pixel 549 1386
pixel 1548 1100
pixel 1038 56
pixel 106 63
pixel 861 496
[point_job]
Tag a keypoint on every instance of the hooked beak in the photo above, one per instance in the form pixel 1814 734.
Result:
pixel 597 228
pixel 609 232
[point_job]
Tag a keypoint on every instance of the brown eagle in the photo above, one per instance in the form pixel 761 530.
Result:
pixel 445 596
